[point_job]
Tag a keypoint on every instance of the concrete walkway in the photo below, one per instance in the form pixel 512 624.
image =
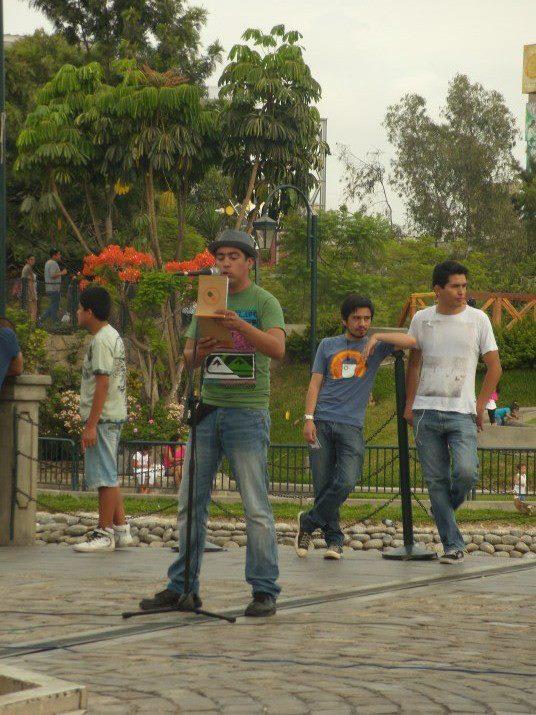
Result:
pixel 363 635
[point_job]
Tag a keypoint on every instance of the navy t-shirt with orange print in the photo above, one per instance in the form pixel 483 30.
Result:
pixel 348 380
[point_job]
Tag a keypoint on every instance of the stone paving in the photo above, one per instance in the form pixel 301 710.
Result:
pixel 460 646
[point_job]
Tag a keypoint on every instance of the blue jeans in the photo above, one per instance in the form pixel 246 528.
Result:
pixel 53 306
pixel 100 461
pixel 447 447
pixel 243 436
pixel 336 469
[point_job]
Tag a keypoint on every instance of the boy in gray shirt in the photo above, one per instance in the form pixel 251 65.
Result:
pixel 103 409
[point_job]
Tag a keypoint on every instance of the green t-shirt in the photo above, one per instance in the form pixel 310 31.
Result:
pixel 240 376
pixel 105 356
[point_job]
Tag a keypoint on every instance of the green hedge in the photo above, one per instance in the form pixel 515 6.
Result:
pixel 517 346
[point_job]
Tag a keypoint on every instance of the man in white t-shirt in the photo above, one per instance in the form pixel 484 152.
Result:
pixel 441 403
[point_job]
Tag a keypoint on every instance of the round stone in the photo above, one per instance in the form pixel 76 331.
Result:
pixel 507 548
pixel 486 548
pixel 373 544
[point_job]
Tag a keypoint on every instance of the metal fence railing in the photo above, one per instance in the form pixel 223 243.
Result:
pixel 157 466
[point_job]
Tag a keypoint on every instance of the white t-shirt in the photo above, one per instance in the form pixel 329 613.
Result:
pixel 450 345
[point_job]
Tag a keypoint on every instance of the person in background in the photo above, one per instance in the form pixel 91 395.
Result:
pixel 172 459
pixel 11 362
pixel 491 406
pixel 53 275
pixel 508 416
pixel 103 409
pixel 29 288
pixel 519 489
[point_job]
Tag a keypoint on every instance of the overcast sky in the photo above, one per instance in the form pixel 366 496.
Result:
pixel 367 54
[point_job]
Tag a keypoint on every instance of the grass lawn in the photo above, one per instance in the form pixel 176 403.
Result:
pixel 289 386
pixel 283 511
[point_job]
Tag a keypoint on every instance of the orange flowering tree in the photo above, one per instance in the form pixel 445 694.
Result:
pixel 153 299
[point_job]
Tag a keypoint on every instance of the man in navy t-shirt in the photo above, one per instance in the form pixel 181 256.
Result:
pixel 10 354
pixel 342 377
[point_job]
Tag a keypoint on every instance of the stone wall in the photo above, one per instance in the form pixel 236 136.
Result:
pixel 67 349
pixel 158 532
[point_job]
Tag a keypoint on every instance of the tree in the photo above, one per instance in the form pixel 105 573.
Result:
pixel 364 180
pixel 152 296
pixel 164 128
pixel 31 61
pixel 53 147
pixel 455 175
pixel 351 247
pixel 165 34
pixel 270 130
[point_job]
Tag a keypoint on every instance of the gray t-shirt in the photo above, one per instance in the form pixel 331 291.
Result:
pixel 52 285
pixel 105 356
pixel 348 380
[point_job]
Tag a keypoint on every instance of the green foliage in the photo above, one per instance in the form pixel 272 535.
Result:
pixel 350 250
pixel 32 342
pixel 163 33
pixel 298 350
pixel 517 345
pixel 270 128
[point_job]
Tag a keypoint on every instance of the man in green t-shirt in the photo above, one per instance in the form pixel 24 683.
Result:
pixel 234 423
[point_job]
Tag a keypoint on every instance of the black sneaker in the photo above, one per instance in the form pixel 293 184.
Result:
pixel 452 557
pixel 172 599
pixel 262 605
pixel 333 552
pixel 302 542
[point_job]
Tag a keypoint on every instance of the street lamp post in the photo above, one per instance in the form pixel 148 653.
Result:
pixel 266 229
pixel 3 225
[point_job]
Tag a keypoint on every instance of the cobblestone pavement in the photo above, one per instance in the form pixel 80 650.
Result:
pixel 463 646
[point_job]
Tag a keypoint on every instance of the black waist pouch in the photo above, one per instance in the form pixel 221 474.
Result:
pixel 196 411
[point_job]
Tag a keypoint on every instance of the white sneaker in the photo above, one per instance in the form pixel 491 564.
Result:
pixel 122 534
pixel 98 540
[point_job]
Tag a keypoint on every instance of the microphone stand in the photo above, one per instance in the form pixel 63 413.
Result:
pixel 186 600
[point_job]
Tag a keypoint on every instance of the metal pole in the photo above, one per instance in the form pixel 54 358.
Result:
pixel 410 550
pixel 3 223
pixel 313 222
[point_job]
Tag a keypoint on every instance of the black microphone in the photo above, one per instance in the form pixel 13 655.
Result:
pixel 207 271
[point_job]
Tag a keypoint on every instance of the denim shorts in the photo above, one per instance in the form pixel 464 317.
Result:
pixel 100 461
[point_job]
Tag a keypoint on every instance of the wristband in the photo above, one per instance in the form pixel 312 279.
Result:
pixel 309 417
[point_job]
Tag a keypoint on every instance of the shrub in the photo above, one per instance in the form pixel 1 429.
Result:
pixel 297 347
pixel 517 346
pixel 32 342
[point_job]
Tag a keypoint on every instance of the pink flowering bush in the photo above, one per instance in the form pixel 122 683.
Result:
pixel 60 417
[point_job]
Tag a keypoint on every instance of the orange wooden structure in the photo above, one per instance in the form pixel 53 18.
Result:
pixel 510 306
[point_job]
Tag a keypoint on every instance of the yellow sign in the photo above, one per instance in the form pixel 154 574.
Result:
pixel 529 69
